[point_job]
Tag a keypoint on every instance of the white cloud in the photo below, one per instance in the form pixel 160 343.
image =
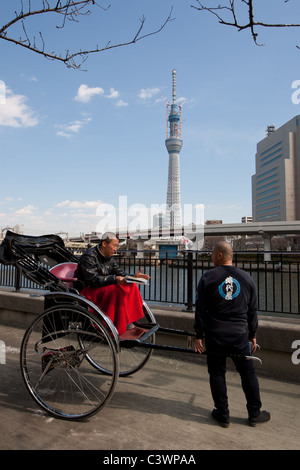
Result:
pixel 73 127
pixel 84 93
pixel 121 103
pixel 77 216
pixel 79 204
pixel 72 216
pixel 14 112
pixel 112 93
pixel 25 211
pixel 181 100
pixel 146 93
pixel 30 78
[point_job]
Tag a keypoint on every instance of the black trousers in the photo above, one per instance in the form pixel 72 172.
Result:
pixel 216 362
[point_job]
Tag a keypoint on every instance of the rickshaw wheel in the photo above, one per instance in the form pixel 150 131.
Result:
pixel 54 362
pixel 131 359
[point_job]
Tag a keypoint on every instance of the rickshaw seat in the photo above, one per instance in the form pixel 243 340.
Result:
pixel 65 273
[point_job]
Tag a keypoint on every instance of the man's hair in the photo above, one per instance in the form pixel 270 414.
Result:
pixel 225 248
pixel 108 237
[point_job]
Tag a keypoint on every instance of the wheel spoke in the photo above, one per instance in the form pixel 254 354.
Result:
pixel 55 367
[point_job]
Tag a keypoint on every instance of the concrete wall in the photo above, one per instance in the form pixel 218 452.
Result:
pixel 275 335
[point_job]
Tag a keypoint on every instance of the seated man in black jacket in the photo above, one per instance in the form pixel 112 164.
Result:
pixel 105 284
pixel 226 306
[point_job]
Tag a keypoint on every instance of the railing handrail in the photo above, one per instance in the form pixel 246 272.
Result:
pixel 174 279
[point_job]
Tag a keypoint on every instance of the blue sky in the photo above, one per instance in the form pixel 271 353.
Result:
pixel 73 142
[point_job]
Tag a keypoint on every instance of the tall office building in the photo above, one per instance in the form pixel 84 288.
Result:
pixel 275 188
pixel 174 145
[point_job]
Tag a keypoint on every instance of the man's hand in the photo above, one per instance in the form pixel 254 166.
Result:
pixel 199 346
pixel 121 280
pixel 254 344
pixel 139 274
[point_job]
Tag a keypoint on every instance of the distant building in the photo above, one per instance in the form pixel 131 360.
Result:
pixel 158 220
pixel 275 192
pixel 213 222
pixel 247 219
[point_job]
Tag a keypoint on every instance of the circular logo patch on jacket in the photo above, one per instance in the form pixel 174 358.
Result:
pixel 230 288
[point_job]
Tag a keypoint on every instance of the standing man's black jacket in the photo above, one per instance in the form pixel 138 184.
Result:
pixel 226 304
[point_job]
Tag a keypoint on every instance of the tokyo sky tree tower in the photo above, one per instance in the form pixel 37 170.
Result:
pixel 174 145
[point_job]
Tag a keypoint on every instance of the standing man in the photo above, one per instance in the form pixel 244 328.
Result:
pixel 226 306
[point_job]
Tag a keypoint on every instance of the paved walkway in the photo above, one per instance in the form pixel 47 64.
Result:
pixel 165 406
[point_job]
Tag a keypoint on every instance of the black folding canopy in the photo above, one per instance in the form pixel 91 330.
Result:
pixel 30 253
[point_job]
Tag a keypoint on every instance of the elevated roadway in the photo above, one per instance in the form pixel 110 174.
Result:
pixel 197 233
pixel 267 229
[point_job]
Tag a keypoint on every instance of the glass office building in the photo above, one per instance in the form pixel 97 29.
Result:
pixel 275 184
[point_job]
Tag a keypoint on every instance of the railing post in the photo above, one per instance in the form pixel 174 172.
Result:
pixel 190 279
pixel 17 279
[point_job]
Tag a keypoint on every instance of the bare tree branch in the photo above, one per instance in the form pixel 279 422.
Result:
pixel 227 15
pixel 70 10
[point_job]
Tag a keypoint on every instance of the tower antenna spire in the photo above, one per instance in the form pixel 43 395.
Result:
pixel 174 85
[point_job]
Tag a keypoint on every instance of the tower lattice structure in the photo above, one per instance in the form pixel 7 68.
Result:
pixel 174 144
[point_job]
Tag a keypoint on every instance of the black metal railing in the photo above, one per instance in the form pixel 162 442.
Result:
pixel 174 280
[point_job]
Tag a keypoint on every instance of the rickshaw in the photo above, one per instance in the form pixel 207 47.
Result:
pixel 71 355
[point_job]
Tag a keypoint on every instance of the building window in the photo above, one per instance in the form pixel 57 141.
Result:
pixel 268 191
pixel 267 185
pixel 271 148
pixel 271 154
pixel 267 172
pixel 270 161
pixel 268 210
pixel 268 197
pixel 268 178
pixel 268 216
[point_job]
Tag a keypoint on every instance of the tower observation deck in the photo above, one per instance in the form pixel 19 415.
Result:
pixel 174 145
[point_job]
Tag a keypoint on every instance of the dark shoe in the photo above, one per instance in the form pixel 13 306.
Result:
pixel 263 417
pixel 224 422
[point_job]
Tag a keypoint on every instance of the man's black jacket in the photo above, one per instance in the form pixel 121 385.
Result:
pixel 226 304
pixel 97 271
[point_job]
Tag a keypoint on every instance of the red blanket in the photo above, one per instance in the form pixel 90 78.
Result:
pixel 122 304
